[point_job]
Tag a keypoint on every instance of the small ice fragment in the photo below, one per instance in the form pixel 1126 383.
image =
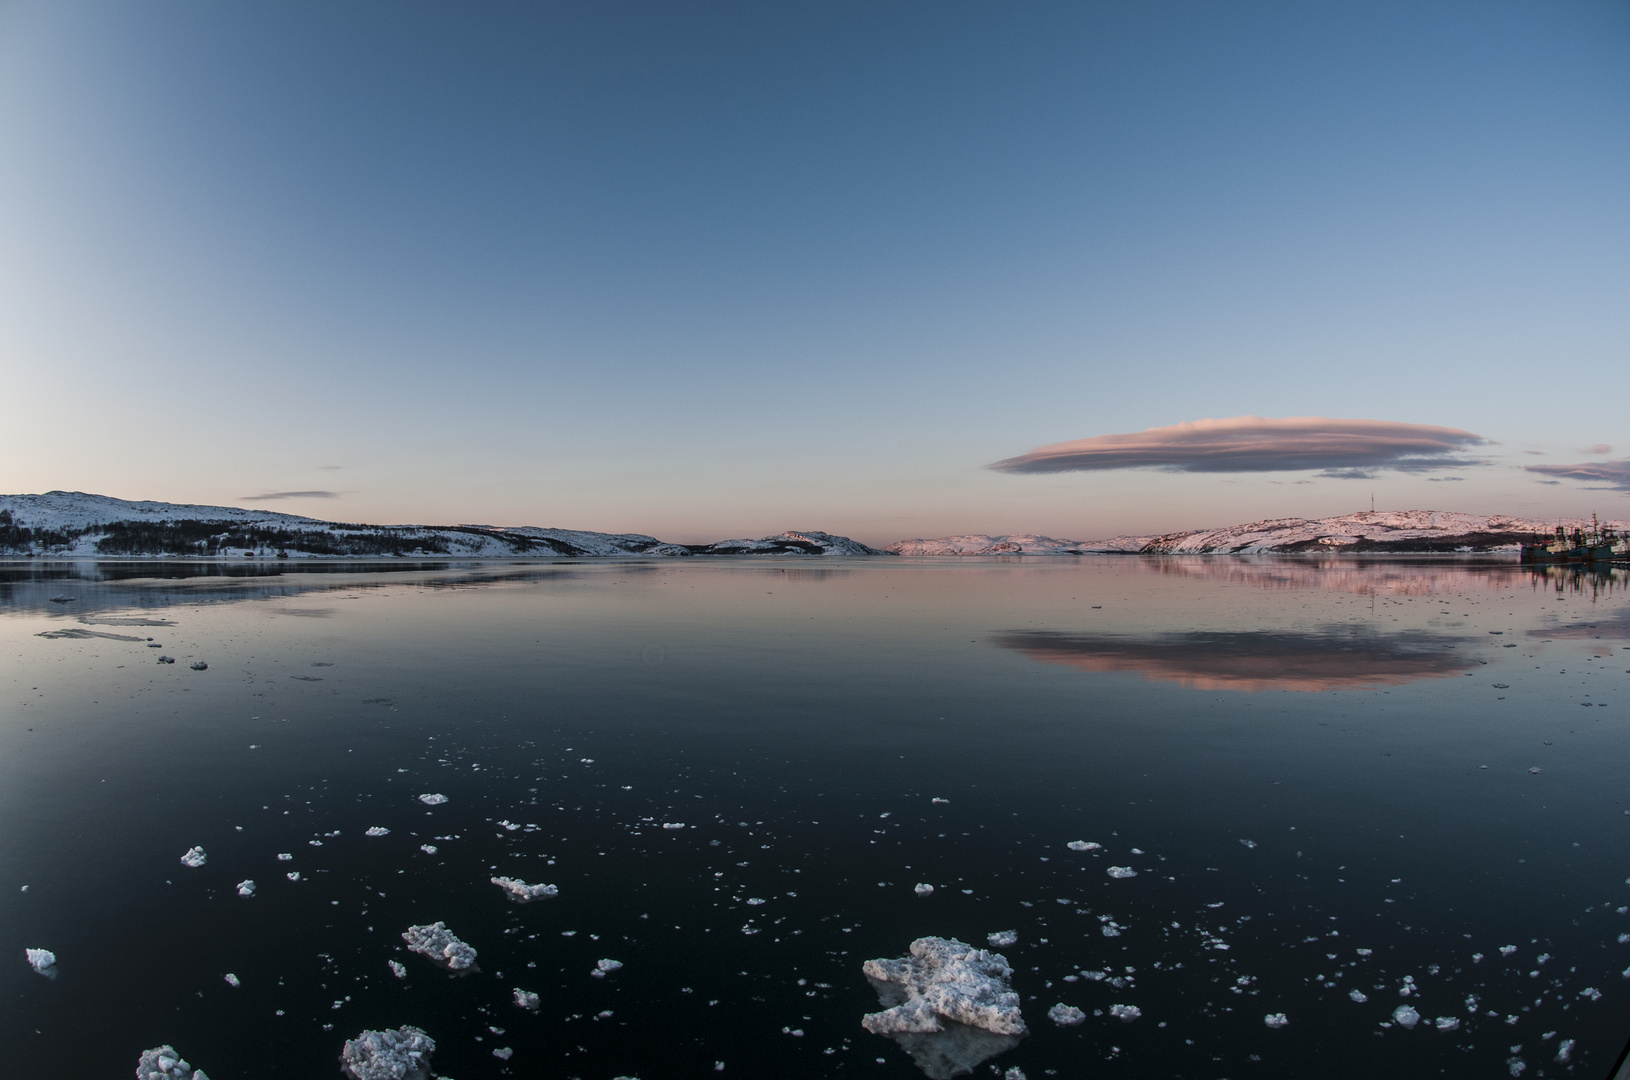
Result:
pixel 940 800
pixel 432 800
pixel 1139 851
pixel 1448 1023
pixel 1405 1017
pixel 199 665
pixel 285 857
pixel 1249 843
pixel 509 826
pixel 1066 1015
pixel 503 1053
pixel 1507 950
pixel 1364 952
pixel 1084 845
pixel 194 858
pixel 1122 872
pixel 755 901
pixel 1128 1013
pixel 166 659
pixel 377 830
pixel 526 999
pixel 428 849
pixel 1003 939
pixel 1358 995
pixel 607 965
pixel 1564 1052
pixel 440 945
pixel 1592 993
pixel 246 887
pixel 233 980
pixel 163 1063
pixel 1014 1073
pixel 673 824
pixel 398 968
pixel 1276 1020
pixel 1517 1065
pixel 40 959
pixel 519 892
pixel 924 889
pixel 1535 769
pixel 402 1054
pixel 293 875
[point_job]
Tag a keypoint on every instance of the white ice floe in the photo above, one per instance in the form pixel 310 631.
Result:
pixel 401 1054
pixel 398 968
pixel 246 887
pixel 1122 872
pixel 1358 995
pixel 603 966
pixel 428 849
pixel 1405 1016
pixel 1507 950
pixel 1592 993
pixel 947 1004
pixel 503 1053
pixel 284 856
pixel 673 824
pixel 163 1063
pixel 941 801
pixel 509 826
pixel 519 892
pixel 40 959
pixel 232 980
pixel 1128 1013
pixel 293 875
pixel 924 889
pixel 1066 1015
pixel 755 901
pixel 438 943
pixel 1564 1052
pixel 194 858
pixel 433 800
pixel 1002 939
pixel 1084 845
pixel 377 830
pixel 1447 1023
pixel 526 999
pixel 1249 843
pixel 1276 1020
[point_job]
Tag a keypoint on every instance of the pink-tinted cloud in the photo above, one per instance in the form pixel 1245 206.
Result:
pixel 1600 449
pixel 1341 448
pixel 273 495
pixel 1614 474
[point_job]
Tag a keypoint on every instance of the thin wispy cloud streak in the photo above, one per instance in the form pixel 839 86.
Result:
pixel 1342 449
pixel 272 496
pixel 1614 474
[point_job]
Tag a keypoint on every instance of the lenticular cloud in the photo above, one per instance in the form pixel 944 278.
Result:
pixel 1256 444
pixel 1614 474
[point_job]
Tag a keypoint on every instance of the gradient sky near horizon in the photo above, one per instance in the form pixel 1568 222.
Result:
pixel 721 270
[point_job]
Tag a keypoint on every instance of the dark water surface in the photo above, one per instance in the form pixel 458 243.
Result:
pixel 1338 777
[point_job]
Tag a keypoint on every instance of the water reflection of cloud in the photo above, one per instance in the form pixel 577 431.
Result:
pixel 1330 659
pixel 1614 626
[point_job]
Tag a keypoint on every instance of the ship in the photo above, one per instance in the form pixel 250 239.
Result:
pixel 1598 545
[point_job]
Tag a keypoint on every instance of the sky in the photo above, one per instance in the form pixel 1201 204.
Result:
pixel 716 270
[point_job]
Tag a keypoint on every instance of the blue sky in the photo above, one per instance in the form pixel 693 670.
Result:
pixel 711 270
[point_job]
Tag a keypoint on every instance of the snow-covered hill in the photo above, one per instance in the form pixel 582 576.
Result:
pixel 1384 531
pixel 75 524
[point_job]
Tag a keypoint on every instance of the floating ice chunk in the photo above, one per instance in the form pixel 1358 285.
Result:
pixel 526 999
pixel 438 943
pixel 1564 1052
pixel 1592 993
pixel 1405 1017
pixel 428 849
pixel 1249 843
pixel 1015 1073
pixel 503 1053
pixel 398 968
pixel 285 857
pixel 199 665
pixel 293 875
pixel 194 858
pixel 163 1063
pixel 940 800
pixel 1084 845
pixel 1363 952
pixel 1128 1013
pixel 519 892
pixel 1447 1023
pixel 41 960
pixel 232 980
pixel 1358 995
pixel 1276 1020
pixel 432 800
pixel 673 824
pixel 603 966
pixel 1066 1015
pixel 947 1004
pixel 509 826
pixel 1535 769
pixel 1507 950
pixel 402 1054
pixel 923 889
pixel 1003 939
pixel 1122 872
pixel 377 830
pixel 246 887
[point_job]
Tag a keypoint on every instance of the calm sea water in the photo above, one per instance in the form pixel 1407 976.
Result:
pixel 1401 781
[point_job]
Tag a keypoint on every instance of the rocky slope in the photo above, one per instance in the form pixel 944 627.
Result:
pixel 1386 531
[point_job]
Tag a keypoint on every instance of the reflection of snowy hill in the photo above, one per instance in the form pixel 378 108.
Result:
pixel 72 523
pixel 1395 531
